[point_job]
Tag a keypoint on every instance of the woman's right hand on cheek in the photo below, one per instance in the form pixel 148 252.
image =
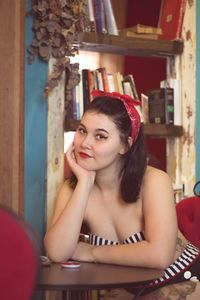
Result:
pixel 78 171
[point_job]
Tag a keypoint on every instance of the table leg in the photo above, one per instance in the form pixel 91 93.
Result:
pixel 137 296
pixel 73 295
pixel 64 295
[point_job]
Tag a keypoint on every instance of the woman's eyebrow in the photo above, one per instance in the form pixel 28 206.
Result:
pixel 97 129
pixel 101 129
pixel 81 124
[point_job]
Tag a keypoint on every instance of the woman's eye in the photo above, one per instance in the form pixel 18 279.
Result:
pixel 101 137
pixel 81 130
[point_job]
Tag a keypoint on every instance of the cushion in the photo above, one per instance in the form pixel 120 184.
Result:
pixel 18 258
pixel 188 215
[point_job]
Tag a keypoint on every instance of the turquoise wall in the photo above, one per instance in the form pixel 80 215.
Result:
pixel 198 91
pixel 35 139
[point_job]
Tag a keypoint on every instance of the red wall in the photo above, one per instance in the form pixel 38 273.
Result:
pixel 147 72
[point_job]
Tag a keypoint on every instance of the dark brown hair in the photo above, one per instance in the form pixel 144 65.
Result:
pixel 135 159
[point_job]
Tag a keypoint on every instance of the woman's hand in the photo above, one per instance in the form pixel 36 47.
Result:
pixel 83 252
pixel 79 172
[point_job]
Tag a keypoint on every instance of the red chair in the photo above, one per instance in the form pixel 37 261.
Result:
pixel 18 258
pixel 188 215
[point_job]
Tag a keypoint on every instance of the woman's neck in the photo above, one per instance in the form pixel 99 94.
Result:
pixel 108 179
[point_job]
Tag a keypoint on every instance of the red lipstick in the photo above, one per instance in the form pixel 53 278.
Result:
pixel 84 155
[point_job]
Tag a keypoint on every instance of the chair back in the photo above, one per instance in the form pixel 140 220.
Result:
pixel 18 258
pixel 188 216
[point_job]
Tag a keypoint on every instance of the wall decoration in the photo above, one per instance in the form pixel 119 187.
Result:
pixel 56 24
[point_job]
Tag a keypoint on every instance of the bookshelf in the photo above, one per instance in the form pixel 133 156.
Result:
pixel 153 130
pixel 163 130
pixel 103 43
pixel 90 41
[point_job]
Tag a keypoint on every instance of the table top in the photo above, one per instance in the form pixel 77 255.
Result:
pixel 94 276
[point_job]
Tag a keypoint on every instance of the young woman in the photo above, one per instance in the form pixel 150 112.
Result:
pixel 127 205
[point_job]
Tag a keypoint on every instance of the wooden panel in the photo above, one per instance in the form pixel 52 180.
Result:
pixel 185 153
pixel 197 63
pixel 11 103
pixel 128 46
pixel 162 130
pixel 154 130
pixel 55 143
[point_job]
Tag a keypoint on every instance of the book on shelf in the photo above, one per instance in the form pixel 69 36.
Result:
pixel 95 83
pixel 169 105
pixel 99 16
pixel 145 108
pixel 91 18
pixel 110 18
pixel 80 96
pixel 176 85
pixel 127 89
pixel 143 30
pixel 171 18
pixel 99 80
pixel 129 78
pixel 102 71
pixel 118 78
pixel 87 87
pixel 161 106
pixel 131 34
pixel 111 84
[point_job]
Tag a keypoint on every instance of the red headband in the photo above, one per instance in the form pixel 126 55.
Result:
pixel 129 104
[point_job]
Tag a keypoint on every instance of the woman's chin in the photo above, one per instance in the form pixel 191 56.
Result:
pixel 85 165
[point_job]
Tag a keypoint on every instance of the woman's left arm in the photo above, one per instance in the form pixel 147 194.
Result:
pixel 160 230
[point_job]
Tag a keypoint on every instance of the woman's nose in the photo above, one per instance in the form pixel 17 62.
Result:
pixel 87 142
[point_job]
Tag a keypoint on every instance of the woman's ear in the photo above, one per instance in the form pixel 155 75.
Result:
pixel 126 147
pixel 130 141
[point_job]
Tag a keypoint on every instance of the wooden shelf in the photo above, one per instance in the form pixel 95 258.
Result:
pixel 162 130
pixel 153 130
pixel 90 41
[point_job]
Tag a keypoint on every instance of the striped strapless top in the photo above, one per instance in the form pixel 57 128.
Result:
pixel 181 264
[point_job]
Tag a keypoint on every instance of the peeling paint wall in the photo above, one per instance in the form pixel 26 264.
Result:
pixel 197 91
pixel 181 151
pixel 55 144
pixel 188 71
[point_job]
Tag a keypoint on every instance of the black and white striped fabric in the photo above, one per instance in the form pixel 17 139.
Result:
pixel 181 264
pixel 99 241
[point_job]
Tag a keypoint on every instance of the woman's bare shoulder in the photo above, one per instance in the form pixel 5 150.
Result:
pixel 155 183
pixel 154 174
pixel 154 170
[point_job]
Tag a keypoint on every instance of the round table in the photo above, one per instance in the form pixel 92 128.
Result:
pixel 93 276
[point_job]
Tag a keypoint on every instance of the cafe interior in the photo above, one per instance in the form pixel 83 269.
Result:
pixel 34 140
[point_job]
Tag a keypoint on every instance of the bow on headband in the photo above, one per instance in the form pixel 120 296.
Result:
pixel 129 104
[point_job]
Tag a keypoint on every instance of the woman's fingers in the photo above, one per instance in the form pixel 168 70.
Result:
pixel 79 172
pixel 70 153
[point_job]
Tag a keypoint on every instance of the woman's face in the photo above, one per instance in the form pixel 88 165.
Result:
pixel 97 142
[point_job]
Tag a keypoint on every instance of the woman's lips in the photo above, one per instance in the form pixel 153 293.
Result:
pixel 84 155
